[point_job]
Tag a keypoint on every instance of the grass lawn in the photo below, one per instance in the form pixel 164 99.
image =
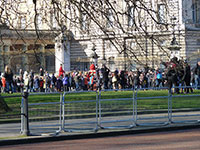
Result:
pixel 120 105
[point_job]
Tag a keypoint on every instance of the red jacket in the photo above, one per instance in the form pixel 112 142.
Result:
pixel 61 71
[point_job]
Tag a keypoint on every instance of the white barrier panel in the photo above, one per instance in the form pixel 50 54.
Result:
pixel 80 115
pixel 152 110
pixel 45 118
pixel 116 112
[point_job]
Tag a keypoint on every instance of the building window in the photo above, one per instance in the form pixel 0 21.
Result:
pixel 50 63
pixel 131 16
pixel 38 21
pixel 132 45
pixel 84 21
pixel 196 11
pixel 5 48
pixel 162 42
pixel 110 18
pixel 198 41
pixel 22 22
pixel 54 21
pixel 162 12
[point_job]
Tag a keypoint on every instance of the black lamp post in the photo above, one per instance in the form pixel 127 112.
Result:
pixel 174 47
pixel 94 56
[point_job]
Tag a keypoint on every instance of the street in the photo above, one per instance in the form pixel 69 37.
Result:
pixel 172 140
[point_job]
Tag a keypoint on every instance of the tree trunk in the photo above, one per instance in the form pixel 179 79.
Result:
pixel 3 105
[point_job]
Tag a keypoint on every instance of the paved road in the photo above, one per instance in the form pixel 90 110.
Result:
pixel 171 140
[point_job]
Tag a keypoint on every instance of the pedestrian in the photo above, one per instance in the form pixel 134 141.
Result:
pixel 105 72
pixel 3 79
pixel 66 83
pixel 26 82
pixel 172 75
pixel 59 84
pixel 36 84
pixel 53 82
pixel 41 84
pixel 187 77
pixel 41 72
pixel 61 71
pixel 9 79
pixel 197 73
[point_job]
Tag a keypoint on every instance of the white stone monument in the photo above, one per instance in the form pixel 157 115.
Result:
pixel 62 52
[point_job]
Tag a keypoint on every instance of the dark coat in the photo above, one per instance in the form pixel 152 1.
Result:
pixel 197 70
pixel 8 77
pixel 187 73
pixel 59 84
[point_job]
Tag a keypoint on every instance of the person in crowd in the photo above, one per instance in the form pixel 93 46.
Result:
pixel 31 82
pixel 130 80
pixel 66 83
pixel 158 78
pixel 41 84
pixel 187 77
pixel 76 80
pixel 18 89
pixel 197 73
pixel 137 79
pixel 21 83
pixel 122 79
pixel 3 79
pixel 47 82
pixel 21 73
pixel 80 81
pixel 15 84
pixel 98 80
pixel 36 84
pixel 0 82
pixel 32 74
pixel 41 72
pixel 85 81
pixel 26 83
pixel 9 79
pixel 105 72
pixel 70 81
pixel 145 81
pixel 61 71
pixel 59 84
pixel 115 80
pixel 53 82
pixel 141 80
pixel 172 74
pixel 91 81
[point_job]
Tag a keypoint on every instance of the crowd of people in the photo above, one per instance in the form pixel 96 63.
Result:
pixel 176 73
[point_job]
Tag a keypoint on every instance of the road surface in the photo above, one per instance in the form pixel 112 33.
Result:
pixel 171 140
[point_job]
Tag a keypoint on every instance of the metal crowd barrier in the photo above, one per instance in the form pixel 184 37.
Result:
pixel 190 115
pixel 100 111
pixel 146 117
pixel 43 117
pixel 110 116
pixel 79 115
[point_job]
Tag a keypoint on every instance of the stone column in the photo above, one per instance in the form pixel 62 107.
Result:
pixel 43 62
pixel 62 52
pixel 25 62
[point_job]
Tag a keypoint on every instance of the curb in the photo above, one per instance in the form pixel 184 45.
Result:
pixel 32 140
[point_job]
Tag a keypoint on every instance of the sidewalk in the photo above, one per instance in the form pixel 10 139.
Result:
pixel 14 137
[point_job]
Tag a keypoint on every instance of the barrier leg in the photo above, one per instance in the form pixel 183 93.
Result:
pixel 169 106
